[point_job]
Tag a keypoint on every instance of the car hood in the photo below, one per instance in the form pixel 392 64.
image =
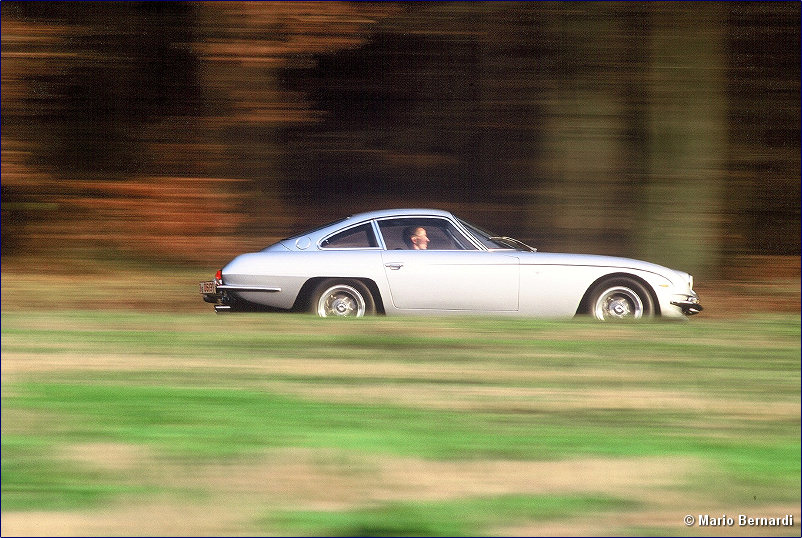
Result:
pixel 594 260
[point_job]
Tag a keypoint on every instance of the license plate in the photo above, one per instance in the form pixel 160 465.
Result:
pixel 209 286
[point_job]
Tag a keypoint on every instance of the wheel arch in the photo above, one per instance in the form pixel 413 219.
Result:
pixel 305 293
pixel 584 304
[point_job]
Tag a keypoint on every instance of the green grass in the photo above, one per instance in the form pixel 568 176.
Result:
pixel 446 518
pixel 218 423
pixel 195 390
pixel 33 479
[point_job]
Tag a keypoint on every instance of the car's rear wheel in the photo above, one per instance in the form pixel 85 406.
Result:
pixel 621 299
pixel 342 298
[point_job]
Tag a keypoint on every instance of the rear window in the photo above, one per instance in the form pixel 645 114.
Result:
pixel 361 236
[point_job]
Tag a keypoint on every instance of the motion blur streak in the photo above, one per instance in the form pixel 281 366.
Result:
pixel 194 130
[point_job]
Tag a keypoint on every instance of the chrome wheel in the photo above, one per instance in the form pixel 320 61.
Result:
pixel 341 300
pixel 618 303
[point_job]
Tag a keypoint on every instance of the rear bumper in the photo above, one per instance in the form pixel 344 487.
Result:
pixel 225 297
pixel 222 302
pixel 213 292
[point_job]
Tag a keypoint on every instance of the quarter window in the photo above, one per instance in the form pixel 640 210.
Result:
pixel 361 236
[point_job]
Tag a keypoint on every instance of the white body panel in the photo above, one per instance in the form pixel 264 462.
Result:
pixel 290 270
pixel 553 285
pixel 471 280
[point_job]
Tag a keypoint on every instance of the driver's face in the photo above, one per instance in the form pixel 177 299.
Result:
pixel 419 240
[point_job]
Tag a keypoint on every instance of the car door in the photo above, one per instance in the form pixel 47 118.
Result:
pixel 451 275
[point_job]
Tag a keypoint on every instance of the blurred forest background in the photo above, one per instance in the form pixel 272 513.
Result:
pixel 190 132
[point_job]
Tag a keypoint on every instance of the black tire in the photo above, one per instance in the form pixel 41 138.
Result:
pixel 342 298
pixel 620 299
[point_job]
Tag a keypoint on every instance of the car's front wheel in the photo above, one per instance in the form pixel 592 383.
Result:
pixel 342 298
pixel 620 299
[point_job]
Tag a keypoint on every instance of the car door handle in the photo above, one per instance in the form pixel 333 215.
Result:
pixel 395 266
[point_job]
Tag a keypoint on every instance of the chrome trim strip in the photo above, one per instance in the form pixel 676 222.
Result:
pixel 378 233
pixel 247 288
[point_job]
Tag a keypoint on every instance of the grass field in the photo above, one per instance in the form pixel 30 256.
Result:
pixel 120 422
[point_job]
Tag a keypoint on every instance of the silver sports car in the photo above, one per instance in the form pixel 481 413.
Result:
pixel 414 261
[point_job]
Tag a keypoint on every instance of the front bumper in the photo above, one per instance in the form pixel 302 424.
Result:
pixel 689 304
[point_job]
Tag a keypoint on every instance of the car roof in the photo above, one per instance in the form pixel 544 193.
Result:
pixel 318 233
pixel 399 213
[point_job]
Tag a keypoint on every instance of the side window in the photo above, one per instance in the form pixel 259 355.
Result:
pixel 357 237
pixel 441 233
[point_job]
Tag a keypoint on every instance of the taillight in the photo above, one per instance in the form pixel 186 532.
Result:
pixel 218 276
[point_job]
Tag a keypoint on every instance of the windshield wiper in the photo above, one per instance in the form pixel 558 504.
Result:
pixel 514 242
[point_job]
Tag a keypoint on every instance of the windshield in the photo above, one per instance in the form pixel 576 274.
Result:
pixel 494 241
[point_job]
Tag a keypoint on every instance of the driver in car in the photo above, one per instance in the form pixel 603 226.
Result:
pixel 415 238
